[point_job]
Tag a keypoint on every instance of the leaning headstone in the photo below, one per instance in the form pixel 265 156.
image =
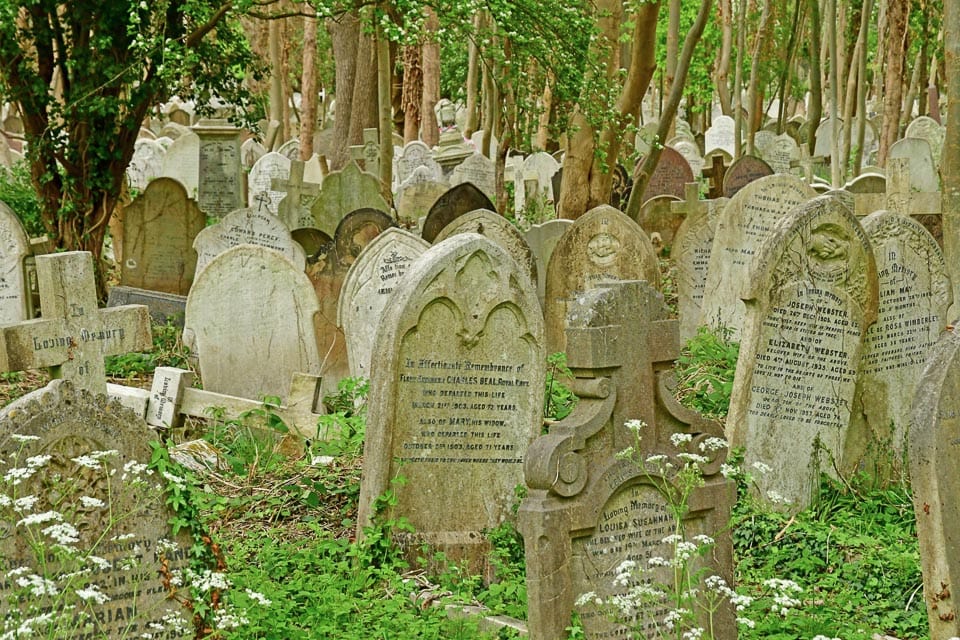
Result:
pixel 146 163
pixel 744 225
pixel 721 135
pixel 780 152
pixel 670 175
pixel 923 173
pixel 811 293
pixel 542 240
pixel 247 226
pixel 457 201
pixel 934 433
pixel 914 297
pixel 456 392
pixel 415 154
pixel 312 240
pixel 367 288
pixel 345 191
pixel 690 254
pixel 294 208
pixel 73 336
pixel 418 193
pixel 930 130
pixel 268 170
pixel 357 230
pixel 182 163
pixel 86 460
pixel 159 228
pixel 220 178
pixel 479 171
pixel 742 172
pixel 498 229
pixel 14 249
pixel 589 508
pixel 660 220
pixel 603 245
pixel 250 321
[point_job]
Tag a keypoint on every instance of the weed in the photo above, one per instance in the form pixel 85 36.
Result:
pixel 559 401
pixel 705 371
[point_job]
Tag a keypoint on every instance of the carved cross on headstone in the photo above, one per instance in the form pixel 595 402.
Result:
pixel 691 205
pixel 299 192
pixel 73 336
pixel 367 155
pixel 715 173
pixel 263 202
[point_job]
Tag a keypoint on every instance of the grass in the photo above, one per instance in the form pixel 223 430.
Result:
pixel 284 515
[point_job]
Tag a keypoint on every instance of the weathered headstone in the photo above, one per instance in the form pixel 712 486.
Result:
pixel 73 336
pixel 247 226
pixel 742 172
pixel 312 240
pixel 367 287
pixel 534 181
pixel 14 249
pixel 542 240
pixel 603 245
pixel 670 175
pixel 660 220
pixel 780 152
pixel 94 477
pixel 457 201
pixel 220 178
pixel 457 392
pixel 930 130
pixel 418 193
pixel 294 208
pixel 589 508
pixel 182 163
pixel 714 174
pixel 159 228
pixel 498 229
pixel 479 171
pixel 345 191
pixel 272 169
pixel 357 230
pixel 691 153
pixel 914 297
pixel 923 172
pixel 146 163
pixel 415 154
pixel 744 225
pixel 721 135
pixel 811 293
pixel 933 437
pixel 250 320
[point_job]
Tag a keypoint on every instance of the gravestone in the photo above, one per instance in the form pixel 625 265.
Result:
pixel 327 273
pixel 917 153
pixel 867 183
pixel 415 154
pixel 714 174
pixel 646 136
pixel 744 225
pixel 660 220
pixel 542 240
pixel 691 153
pixel 294 208
pixel 159 228
pixel 251 323
pixel 721 135
pixel 690 254
pixel 934 432
pixel 98 450
pixel 603 245
pixel 272 169
pixel 534 182
pixel 367 287
pixel 345 191
pixel 456 392
pixel 811 293
pixel 588 508
pixel 458 200
pixel 912 311
pixel 182 163
pixel 220 178
pixel 930 130
pixel 312 240
pixel 781 152
pixel 498 229
pixel 14 250
pixel 742 172
pixel 418 193
pixel 250 151
pixel 290 149
pixel 247 226
pixel 479 171
pixel 670 175
pixel 73 336
pixel 146 163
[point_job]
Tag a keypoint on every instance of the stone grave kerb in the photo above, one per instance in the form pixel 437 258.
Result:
pixel 715 174
pixel 73 336
pixel 621 347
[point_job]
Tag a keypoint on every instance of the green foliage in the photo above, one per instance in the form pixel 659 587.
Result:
pixel 558 401
pixel 168 351
pixel 340 432
pixel 18 193
pixel 856 554
pixel 705 371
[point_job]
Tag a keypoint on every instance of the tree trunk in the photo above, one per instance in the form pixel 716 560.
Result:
pixel 412 92
pixel 722 69
pixel 344 36
pixel 276 80
pixel 308 86
pixel 365 112
pixel 430 130
pixel 784 87
pixel 673 49
pixel 950 161
pixel 854 80
pixel 862 90
pixel 755 93
pixel 836 167
pixel 816 87
pixel 473 78
pixel 896 47
pixel 542 138
pixel 642 177
pixel 385 111
pixel 738 82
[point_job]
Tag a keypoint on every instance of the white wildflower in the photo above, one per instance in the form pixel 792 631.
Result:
pixel 713 444
pixel 21 437
pixel 776 497
pixel 747 622
pixel 92 593
pixel 693 458
pixel 635 425
pixel 86 461
pixel 684 551
pixel 588 598
pixel 63 532
pixel 657 561
pixel 680 439
pixel 177 480
pixel 656 459
pixel 100 563
pixel 17 475
pixel 40 518
pixel 729 470
pixel 693 634
pixel 25 504
pixel 258 597
pixel 761 467
pixel 703 540
pixel 38 586
pixel 673 538
pixel 90 502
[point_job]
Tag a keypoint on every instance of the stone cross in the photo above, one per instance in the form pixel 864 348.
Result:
pixel 809 163
pixel 691 205
pixel 368 153
pixel 295 187
pixel 74 336
pixel 715 173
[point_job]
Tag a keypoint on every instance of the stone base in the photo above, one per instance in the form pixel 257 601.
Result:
pixel 163 307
